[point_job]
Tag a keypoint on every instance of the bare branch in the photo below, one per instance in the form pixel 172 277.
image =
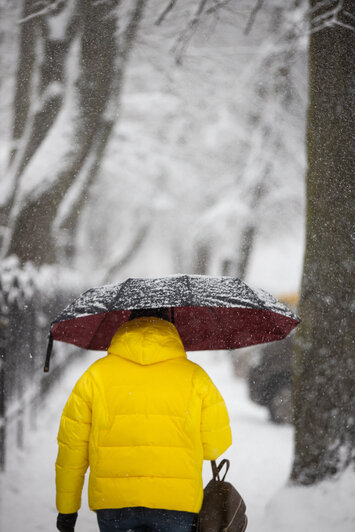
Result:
pixel 331 24
pixel 252 16
pixel 166 11
pixel 327 15
pixel 330 17
pixel 53 9
pixel 321 4
pixel 217 6
pixel 188 33
pixel 343 25
pixel 347 20
pixel 347 14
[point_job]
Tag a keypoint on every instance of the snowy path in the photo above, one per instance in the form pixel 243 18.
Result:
pixel 261 458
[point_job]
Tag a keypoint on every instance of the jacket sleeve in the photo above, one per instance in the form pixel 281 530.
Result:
pixel 73 442
pixel 216 434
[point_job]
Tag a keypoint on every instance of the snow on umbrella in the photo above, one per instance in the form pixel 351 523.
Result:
pixel 209 313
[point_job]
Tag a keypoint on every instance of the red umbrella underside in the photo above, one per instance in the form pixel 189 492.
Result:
pixel 200 328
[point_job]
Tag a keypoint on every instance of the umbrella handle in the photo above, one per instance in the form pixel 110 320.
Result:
pixel 49 352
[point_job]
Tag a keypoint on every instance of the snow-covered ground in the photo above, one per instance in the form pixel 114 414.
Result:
pixel 261 458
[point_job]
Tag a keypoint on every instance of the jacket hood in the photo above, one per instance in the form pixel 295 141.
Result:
pixel 147 341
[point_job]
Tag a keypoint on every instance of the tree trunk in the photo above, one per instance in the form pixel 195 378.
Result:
pixel 324 363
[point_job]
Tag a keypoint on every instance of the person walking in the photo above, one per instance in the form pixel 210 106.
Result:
pixel 143 418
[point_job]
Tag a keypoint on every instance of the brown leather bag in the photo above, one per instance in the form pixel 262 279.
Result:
pixel 223 508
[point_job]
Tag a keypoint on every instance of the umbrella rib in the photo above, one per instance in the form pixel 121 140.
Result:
pixel 215 313
pixel 119 292
pixel 93 336
pixel 189 287
pixel 278 328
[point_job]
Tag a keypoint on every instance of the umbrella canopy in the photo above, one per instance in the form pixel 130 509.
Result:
pixel 208 312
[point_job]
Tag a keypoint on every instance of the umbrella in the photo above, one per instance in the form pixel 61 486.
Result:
pixel 208 312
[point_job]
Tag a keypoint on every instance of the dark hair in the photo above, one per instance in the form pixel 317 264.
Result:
pixel 161 312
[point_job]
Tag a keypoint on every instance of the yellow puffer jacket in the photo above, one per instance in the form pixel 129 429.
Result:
pixel 143 417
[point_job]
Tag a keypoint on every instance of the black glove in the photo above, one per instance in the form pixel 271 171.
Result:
pixel 66 522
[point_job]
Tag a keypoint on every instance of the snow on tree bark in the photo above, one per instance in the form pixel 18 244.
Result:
pixel 40 89
pixel 324 366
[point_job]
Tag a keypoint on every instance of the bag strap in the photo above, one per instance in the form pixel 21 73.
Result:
pixel 216 469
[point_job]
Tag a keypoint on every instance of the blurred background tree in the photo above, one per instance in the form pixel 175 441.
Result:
pixel 98 164
pixel 69 77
